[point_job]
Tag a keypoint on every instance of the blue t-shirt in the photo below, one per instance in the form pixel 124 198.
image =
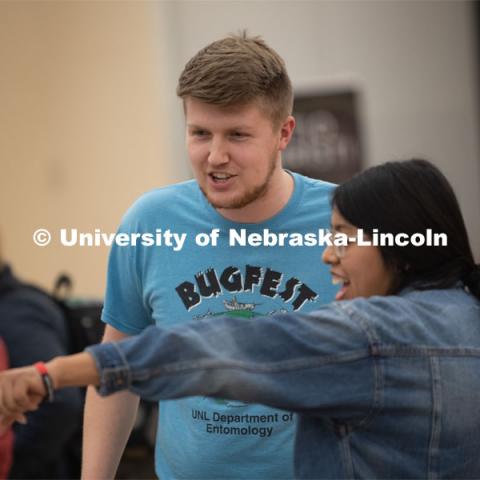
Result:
pixel 177 280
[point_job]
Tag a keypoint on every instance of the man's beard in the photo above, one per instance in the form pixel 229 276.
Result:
pixel 250 196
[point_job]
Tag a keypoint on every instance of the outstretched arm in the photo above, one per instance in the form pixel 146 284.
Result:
pixel 295 362
pixel 318 363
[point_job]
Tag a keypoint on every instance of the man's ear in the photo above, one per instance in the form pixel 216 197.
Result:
pixel 286 132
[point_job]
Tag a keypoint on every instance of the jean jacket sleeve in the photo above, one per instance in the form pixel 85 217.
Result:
pixel 317 363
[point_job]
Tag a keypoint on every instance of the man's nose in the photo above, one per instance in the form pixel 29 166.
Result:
pixel 217 154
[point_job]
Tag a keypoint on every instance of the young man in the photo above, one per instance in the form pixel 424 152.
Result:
pixel 237 100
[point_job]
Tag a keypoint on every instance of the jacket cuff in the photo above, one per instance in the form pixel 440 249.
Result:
pixel 112 367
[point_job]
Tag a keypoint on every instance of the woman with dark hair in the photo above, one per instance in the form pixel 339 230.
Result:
pixel 384 381
pixel 412 197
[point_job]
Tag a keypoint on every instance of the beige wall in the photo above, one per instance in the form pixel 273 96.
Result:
pixel 83 127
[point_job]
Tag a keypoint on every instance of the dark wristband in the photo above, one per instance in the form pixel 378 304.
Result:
pixel 46 379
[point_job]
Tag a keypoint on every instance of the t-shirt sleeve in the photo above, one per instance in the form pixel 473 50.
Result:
pixel 125 307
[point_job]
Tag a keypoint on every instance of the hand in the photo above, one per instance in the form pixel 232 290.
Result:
pixel 21 390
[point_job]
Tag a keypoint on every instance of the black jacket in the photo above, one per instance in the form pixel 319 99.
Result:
pixel 33 329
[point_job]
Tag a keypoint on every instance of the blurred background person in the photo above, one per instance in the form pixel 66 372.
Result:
pixel 34 329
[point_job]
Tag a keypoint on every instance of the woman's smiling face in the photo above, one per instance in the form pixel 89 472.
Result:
pixel 361 271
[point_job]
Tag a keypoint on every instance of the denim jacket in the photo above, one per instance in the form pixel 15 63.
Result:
pixel 384 387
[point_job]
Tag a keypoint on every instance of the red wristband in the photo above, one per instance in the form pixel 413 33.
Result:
pixel 46 379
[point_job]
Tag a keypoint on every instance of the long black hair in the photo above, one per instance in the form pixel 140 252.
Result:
pixel 410 197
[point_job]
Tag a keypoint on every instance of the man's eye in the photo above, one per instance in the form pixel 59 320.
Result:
pixel 199 133
pixel 238 135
